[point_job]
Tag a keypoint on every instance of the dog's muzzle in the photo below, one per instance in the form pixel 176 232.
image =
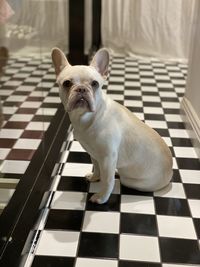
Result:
pixel 81 97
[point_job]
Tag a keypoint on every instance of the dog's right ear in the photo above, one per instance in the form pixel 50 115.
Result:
pixel 59 60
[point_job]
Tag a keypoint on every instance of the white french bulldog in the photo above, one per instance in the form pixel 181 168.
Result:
pixel 113 136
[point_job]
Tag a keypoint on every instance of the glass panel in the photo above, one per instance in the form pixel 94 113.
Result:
pixel 29 96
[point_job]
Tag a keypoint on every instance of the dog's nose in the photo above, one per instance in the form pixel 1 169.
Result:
pixel 81 90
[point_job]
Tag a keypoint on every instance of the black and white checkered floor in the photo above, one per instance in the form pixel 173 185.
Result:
pixel 133 228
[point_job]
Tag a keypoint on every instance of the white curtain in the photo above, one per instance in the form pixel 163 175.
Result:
pixel 158 28
pixel 36 26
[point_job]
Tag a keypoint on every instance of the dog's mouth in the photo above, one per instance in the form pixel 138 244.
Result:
pixel 81 102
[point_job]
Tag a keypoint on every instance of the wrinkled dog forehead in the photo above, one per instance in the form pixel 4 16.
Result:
pixel 79 74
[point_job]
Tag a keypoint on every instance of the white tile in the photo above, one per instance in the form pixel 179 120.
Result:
pixel 16 98
pixel 14 166
pixel 5 92
pixel 4 152
pixel 54 90
pixel 38 126
pixel 137 204
pixel 26 88
pixel 52 99
pixel 132 93
pixel 133 103
pixel 116 87
pixel 190 176
pixel 39 93
pixel 164 85
pixel 10 133
pixel 116 79
pixel 13 83
pixel 172 117
pixel 27 143
pixel 153 110
pixel 139 248
pixel 151 98
pixel 69 200
pixel 185 152
pixel 9 110
pixel 194 207
pixel 139 115
pixel 173 190
pixel 156 124
pixel 175 105
pixel 31 104
pixel 95 187
pixel 132 76
pixel 101 222
pixel 149 88
pixel 46 111
pixel 176 227
pixel 174 163
pixel 46 84
pixel 76 147
pixel 33 79
pixel 132 83
pixel 6 194
pixel 21 75
pixel 58 243
pixel 21 117
pixel 83 262
pixel 181 133
pixel 76 169
pixel 168 94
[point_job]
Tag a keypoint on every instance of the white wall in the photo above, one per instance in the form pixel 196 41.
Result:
pixel 191 101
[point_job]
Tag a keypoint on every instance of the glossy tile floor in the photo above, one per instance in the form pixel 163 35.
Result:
pixel 133 228
pixel 30 99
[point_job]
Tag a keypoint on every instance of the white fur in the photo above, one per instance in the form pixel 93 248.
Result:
pixel 114 137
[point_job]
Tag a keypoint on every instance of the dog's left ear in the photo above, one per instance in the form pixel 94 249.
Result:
pixel 59 60
pixel 100 62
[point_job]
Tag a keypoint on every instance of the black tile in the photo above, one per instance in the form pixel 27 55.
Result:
pixel 171 110
pixel 163 132
pixel 172 206
pixel 99 245
pixel 138 224
pixel 175 125
pixel 183 251
pixel 130 97
pixel 77 184
pixel 151 104
pixel 79 157
pixel 150 93
pixel 192 190
pixel 113 204
pixel 136 109
pixel 130 191
pixel 158 117
pixel 176 176
pixel 169 99
pixel 188 163
pixel 172 152
pixel 197 226
pixel 50 261
pixel 186 142
pixel 64 219
pixel 123 263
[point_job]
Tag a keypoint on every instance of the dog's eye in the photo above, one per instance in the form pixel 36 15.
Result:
pixel 95 84
pixel 67 84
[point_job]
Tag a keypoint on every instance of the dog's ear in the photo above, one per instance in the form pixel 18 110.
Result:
pixel 100 62
pixel 59 60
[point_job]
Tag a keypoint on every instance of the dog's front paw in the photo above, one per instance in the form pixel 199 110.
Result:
pixel 91 177
pixel 99 198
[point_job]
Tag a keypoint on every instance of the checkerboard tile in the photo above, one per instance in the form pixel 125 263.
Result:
pixel 28 107
pixel 25 91
pixel 132 228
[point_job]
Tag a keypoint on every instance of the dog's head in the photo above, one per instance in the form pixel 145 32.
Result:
pixel 80 86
